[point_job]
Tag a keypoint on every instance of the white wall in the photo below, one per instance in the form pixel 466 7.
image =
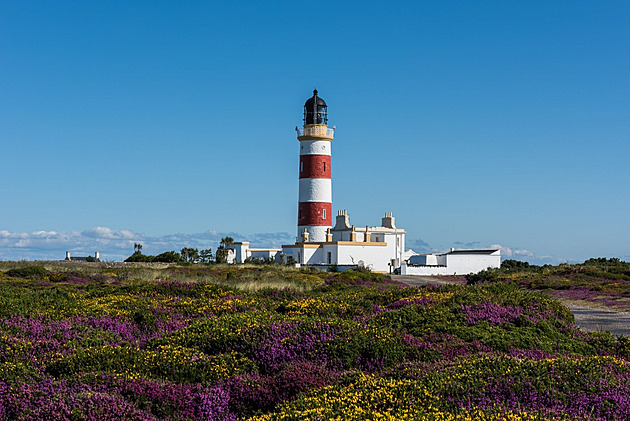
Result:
pixel 456 264
pixel 424 260
pixel 373 257
pixel 470 263
pixel 240 252
pixel 265 254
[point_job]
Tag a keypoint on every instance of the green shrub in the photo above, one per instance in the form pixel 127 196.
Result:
pixel 57 277
pixel 483 276
pixel 28 272
pixel 173 363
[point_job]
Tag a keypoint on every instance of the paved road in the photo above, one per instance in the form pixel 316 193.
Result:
pixel 587 318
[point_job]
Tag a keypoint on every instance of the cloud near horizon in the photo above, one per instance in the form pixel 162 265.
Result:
pixel 117 244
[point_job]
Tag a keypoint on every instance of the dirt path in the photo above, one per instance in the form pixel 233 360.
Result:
pixel 587 318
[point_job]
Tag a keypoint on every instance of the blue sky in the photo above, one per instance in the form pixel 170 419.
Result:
pixel 476 123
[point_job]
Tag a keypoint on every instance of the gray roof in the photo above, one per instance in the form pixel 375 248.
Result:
pixel 479 251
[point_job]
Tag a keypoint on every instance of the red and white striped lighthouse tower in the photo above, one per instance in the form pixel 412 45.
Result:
pixel 315 197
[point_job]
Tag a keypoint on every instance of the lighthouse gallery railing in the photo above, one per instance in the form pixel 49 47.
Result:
pixel 315 131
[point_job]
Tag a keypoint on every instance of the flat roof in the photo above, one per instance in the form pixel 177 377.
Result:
pixel 478 251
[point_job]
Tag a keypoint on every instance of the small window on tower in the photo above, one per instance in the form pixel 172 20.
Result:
pixel 324 214
pixel 301 166
pixel 324 167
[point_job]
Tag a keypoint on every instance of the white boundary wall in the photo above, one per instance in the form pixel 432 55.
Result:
pixel 458 263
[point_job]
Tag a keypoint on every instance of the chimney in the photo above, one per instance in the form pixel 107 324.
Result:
pixel 67 255
pixel 305 236
pixel 353 235
pixel 328 235
pixel 97 256
pixel 388 221
pixel 367 234
pixel 343 220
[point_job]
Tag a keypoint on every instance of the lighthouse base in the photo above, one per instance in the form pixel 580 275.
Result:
pixel 316 234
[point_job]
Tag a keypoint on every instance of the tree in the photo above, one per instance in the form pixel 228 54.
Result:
pixel 167 257
pixel 189 254
pixel 137 248
pixel 223 250
pixel 226 242
pixel 205 256
pixel 138 257
pixel 514 265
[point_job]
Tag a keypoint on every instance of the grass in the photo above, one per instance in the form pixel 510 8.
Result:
pixel 244 277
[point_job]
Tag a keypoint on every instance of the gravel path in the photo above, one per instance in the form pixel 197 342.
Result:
pixel 594 319
pixel 587 318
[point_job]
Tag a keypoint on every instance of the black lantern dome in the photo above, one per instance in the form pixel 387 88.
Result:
pixel 315 110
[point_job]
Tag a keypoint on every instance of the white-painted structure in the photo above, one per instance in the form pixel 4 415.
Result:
pixel 454 262
pixel 242 252
pixel 96 258
pixel 380 248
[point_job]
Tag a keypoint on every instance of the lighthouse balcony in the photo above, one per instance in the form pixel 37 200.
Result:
pixel 316 130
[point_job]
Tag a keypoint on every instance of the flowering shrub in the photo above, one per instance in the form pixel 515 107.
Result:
pixel 353 345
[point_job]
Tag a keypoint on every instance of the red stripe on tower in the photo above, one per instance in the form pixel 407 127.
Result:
pixel 315 194
pixel 315 166
pixel 314 214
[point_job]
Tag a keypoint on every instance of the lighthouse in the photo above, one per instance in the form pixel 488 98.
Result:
pixel 315 193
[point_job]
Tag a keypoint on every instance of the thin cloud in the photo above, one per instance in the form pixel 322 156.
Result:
pixel 118 244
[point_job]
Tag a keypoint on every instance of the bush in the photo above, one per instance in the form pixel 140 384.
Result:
pixel 511 265
pixel 58 277
pixel 138 257
pixel 483 276
pixel 28 272
pixel 174 363
pixel 168 257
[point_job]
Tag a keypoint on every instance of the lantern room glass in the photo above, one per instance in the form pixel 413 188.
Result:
pixel 319 115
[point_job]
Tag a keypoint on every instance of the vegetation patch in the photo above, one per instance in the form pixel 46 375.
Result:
pixel 269 342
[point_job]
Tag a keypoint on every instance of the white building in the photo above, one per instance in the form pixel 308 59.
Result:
pixel 454 262
pixel 96 258
pixel 380 248
pixel 239 252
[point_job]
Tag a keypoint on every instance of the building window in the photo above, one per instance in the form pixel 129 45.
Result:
pixel 329 257
pixel 324 214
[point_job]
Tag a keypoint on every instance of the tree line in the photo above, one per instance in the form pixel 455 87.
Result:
pixel 185 255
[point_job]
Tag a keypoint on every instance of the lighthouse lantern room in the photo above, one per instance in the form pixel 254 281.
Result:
pixel 315 192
